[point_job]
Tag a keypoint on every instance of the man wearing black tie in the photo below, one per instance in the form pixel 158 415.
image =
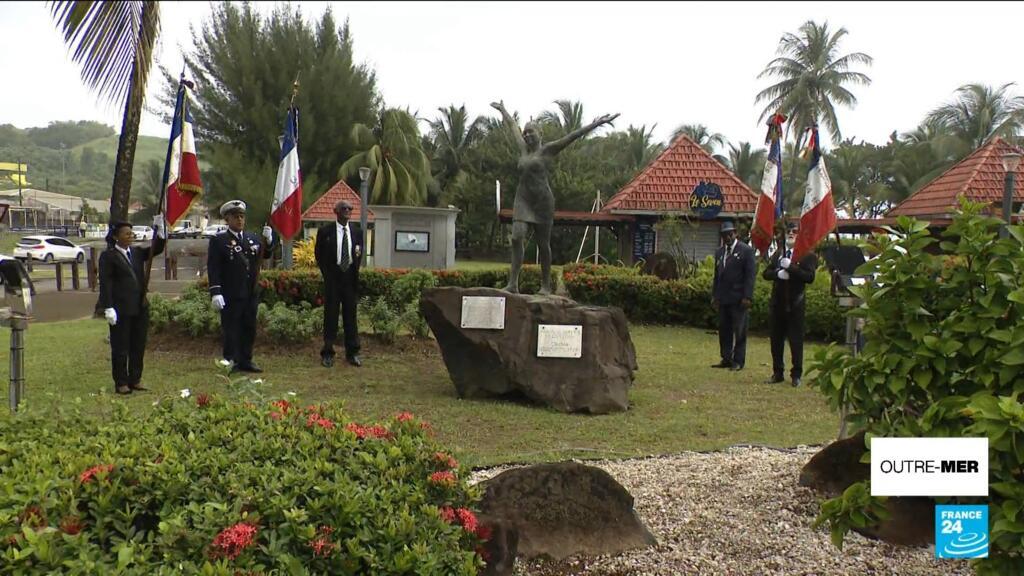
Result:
pixel 787 307
pixel 123 301
pixel 732 294
pixel 338 252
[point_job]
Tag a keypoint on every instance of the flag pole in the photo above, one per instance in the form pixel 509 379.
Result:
pixel 286 246
pixel 163 186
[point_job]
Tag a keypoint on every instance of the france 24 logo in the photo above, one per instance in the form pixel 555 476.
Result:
pixel 961 531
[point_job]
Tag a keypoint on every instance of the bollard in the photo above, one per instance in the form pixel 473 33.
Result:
pixel 75 284
pixel 17 387
pixel 60 276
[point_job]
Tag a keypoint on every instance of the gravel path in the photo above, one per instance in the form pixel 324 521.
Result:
pixel 735 512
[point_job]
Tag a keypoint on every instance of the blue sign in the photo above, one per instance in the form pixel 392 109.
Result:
pixel 961 531
pixel 706 200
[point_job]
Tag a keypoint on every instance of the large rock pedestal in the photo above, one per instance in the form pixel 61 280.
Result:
pixel 485 362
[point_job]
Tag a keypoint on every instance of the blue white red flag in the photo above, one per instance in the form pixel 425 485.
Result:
pixel 286 210
pixel 182 185
pixel 769 202
pixel 818 216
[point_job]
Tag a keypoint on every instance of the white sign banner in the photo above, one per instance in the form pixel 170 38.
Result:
pixel 929 466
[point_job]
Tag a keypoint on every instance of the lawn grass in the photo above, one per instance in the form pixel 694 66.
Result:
pixel 473 265
pixel 678 402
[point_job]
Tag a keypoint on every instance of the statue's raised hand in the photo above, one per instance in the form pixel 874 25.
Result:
pixel 500 105
pixel 606 119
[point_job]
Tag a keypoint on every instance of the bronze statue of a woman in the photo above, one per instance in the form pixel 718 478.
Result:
pixel 534 203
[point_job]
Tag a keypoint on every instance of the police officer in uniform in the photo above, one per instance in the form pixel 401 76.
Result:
pixel 787 306
pixel 233 263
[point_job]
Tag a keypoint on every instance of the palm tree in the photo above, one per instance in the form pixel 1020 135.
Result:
pixel 568 117
pixel 451 138
pixel 392 149
pixel 113 43
pixel 704 138
pixel 747 164
pixel 640 151
pixel 814 79
pixel 979 113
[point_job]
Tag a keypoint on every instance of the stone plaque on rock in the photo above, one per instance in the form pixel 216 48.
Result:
pixel 487 312
pixel 559 341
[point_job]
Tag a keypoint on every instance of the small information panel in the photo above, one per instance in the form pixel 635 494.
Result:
pixel 486 312
pixel 559 341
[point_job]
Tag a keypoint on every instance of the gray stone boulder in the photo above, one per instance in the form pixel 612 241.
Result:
pixel 488 362
pixel 565 508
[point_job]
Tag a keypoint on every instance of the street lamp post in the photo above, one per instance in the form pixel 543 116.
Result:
pixel 1010 162
pixel 364 192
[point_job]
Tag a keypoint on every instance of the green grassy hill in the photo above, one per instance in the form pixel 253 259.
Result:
pixel 148 148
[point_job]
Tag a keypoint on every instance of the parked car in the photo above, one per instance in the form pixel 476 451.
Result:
pixel 186 230
pixel 211 231
pixel 142 232
pixel 48 249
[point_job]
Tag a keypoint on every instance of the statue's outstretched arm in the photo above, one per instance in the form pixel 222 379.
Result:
pixel 552 148
pixel 513 127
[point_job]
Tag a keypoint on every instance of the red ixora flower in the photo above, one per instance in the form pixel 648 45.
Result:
pixel 275 415
pixel 88 475
pixel 446 460
pixel 232 541
pixel 315 419
pixel 33 517
pixel 322 546
pixel 202 400
pixel 404 416
pixel 282 405
pixel 71 525
pixel 467 519
pixel 444 478
pixel 362 432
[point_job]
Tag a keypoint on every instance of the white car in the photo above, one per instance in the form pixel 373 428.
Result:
pixel 211 231
pixel 48 249
pixel 142 232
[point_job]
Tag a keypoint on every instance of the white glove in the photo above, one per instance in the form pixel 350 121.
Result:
pixel 268 234
pixel 111 316
pixel 158 227
pixel 784 263
pixel 218 302
pixel 357 251
pixel 783 275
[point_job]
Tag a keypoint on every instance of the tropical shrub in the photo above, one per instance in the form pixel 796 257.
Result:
pixel 291 324
pixel 944 357
pixel 206 485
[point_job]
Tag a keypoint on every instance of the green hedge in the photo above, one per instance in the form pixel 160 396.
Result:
pixel 203 485
pixel 646 298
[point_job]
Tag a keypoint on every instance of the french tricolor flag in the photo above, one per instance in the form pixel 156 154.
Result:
pixel 286 211
pixel 181 171
pixel 818 216
pixel 769 202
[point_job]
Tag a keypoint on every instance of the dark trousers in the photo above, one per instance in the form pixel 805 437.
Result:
pixel 238 329
pixel 787 325
pixel 732 333
pixel 127 348
pixel 340 292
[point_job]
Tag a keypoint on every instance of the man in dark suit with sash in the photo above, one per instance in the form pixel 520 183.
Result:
pixel 787 307
pixel 732 295
pixel 122 270
pixel 233 265
pixel 338 253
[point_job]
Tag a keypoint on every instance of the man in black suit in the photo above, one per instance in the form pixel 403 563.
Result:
pixel 787 307
pixel 122 269
pixel 732 294
pixel 338 254
pixel 233 266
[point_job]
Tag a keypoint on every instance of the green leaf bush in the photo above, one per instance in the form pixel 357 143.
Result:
pixel 204 485
pixel 943 358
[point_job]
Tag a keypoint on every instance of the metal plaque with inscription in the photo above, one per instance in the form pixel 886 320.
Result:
pixel 559 341
pixel 487 312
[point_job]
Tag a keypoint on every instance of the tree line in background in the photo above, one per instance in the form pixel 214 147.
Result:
pixel 244 65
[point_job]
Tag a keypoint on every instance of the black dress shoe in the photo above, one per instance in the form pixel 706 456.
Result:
pixel 775 380
pixel 736 367
pixel 138 388
pixel 123 390
pixel 722 365
pixel 248 368
pixel 796 382
pixel 354 360
pixel 327 361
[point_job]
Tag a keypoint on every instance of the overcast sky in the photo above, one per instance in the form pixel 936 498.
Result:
pixel 655 63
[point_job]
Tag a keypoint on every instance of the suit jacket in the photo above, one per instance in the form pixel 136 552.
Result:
pixel 790 293
pixel 326 250
pixel 233 265
pixel 734 278
pixel 121 283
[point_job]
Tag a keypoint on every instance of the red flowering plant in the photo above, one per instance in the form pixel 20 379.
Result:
pixel 230 487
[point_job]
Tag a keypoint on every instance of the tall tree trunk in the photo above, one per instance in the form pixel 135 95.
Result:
pixel 122 188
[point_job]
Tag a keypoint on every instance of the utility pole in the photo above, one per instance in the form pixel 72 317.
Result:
pixel 62 167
